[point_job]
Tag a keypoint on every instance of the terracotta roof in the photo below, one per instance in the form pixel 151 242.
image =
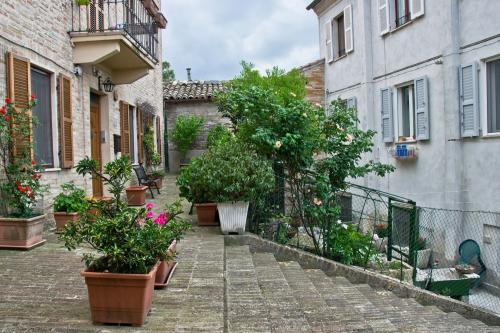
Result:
pixel 186 91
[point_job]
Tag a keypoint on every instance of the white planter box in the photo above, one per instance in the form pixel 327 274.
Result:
pixel 423 257
pixel 233 216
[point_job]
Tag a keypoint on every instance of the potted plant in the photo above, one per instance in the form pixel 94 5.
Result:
pixel 185 132
pixel 21 227
pixel 157 174
pixel 235 175
pixel 136 195
pixel 170 220
pixel 121 266
pixel 423 253
pixel 68 205
pixel 196 185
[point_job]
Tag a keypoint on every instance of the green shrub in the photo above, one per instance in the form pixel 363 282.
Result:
pixel 218 134
pixel 185 132
pixel 348 246
pixel 228 172
pixel 71 200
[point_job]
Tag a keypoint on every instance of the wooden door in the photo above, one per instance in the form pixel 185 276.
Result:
pixel 95 142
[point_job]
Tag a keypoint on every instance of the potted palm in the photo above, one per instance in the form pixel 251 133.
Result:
pixel 235 176
pixel 68 205
pixel 20 226
pixel 185 132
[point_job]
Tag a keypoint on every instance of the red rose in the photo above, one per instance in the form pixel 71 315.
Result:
pixel 33 162
pixel 30 194
pixel 7 118
pixel 33 97
pixel 8 101
pixel 3 110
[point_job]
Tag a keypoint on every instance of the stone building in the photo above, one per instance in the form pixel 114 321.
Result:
pixel 190 98
pixel 426 76
pixel 96 72
pixel 315 87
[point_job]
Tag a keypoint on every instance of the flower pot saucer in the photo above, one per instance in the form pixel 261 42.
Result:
pixel 23 248
pixel 169 276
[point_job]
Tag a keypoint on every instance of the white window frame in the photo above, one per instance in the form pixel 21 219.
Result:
pixel 398 106
pixel 483 93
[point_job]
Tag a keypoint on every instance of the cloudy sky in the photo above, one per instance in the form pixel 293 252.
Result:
pixel 213 36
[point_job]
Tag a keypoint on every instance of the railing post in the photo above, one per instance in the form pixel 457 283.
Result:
pixel 389 231
pixel 412 259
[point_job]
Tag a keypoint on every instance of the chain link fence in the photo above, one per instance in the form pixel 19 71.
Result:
pixel 450 252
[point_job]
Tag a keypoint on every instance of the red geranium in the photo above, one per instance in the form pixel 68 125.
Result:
pixel 7 118
pixel 8 101
pixel 33 97
pixel 3 110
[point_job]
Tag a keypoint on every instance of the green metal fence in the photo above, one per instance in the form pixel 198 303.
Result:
pixel 451 252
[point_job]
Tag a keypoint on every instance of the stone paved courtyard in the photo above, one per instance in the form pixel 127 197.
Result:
pixel 214 289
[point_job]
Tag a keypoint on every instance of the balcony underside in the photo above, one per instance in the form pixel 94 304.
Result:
pixel 113 51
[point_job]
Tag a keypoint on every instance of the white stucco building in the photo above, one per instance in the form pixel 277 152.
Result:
pixel 425 74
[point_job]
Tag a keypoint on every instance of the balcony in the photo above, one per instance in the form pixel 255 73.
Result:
pixel 119 35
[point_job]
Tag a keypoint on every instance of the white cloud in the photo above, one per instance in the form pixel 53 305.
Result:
pixel 213 36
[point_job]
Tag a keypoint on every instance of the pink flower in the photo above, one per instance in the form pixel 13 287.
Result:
pixel 149 206
pixel 141 222
pixel 161 219
pixel 150 215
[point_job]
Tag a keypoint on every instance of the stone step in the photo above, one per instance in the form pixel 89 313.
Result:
pixel 345 300
pixel 245 305
pixel 285 313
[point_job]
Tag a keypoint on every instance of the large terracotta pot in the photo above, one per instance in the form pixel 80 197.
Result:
pixel 120 298
pixel 206 214
pixel 136 195
pixel 233 217
pixel 62 218
pixel 165 267
pixel 159 182
pixel 22 234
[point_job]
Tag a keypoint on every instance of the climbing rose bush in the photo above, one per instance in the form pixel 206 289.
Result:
pixel 21 187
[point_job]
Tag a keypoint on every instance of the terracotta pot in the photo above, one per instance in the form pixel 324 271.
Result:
pixel 160 20
pixel 95 211
pixel 206 214
pixel 165 267
pixel 63 218
pixel 120 298
pixel 136 195
pixel 151 6
pixel 159 182
pixel 22 234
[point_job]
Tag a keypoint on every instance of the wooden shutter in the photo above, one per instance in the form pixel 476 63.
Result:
pixel 158 135
pixel 124 128
pixel 19 91
pixel 328 41
pixel 349 36
pixel 417 8
pixel 469 110
pixel 422 108
pixel 65 122
pixel 140 136
pixel 383 16
pixel 386 111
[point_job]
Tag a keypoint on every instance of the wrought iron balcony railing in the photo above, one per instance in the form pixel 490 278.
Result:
pixel 130 17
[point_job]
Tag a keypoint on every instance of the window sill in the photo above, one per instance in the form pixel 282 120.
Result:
pixel 491 136
pixel 48 170
pixel 340 58
pixel 396 29
pixel 405 142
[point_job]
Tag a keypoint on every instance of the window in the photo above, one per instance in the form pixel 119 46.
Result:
pixel 406 113
pixel 493 77
pixel 339 35
pixel 42 133
pixel 339 22
pixel 402 8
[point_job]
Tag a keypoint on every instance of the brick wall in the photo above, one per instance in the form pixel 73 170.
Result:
pixel 207 110
pixel 38 30
pixel 315 88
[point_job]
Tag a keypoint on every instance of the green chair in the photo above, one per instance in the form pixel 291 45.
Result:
pixel 470 253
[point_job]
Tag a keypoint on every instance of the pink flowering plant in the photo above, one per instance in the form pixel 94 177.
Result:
pixel 132 241
pixel 21 187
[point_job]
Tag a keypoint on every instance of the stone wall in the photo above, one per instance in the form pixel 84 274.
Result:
pixel 38 31
pixel 205 109
pixel 315 75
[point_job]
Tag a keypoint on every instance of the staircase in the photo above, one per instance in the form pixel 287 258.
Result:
pixel 264 295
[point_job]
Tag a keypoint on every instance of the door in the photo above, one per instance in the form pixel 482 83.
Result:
pixel 95 141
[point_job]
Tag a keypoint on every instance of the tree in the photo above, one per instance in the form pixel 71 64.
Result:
pixel 167 72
